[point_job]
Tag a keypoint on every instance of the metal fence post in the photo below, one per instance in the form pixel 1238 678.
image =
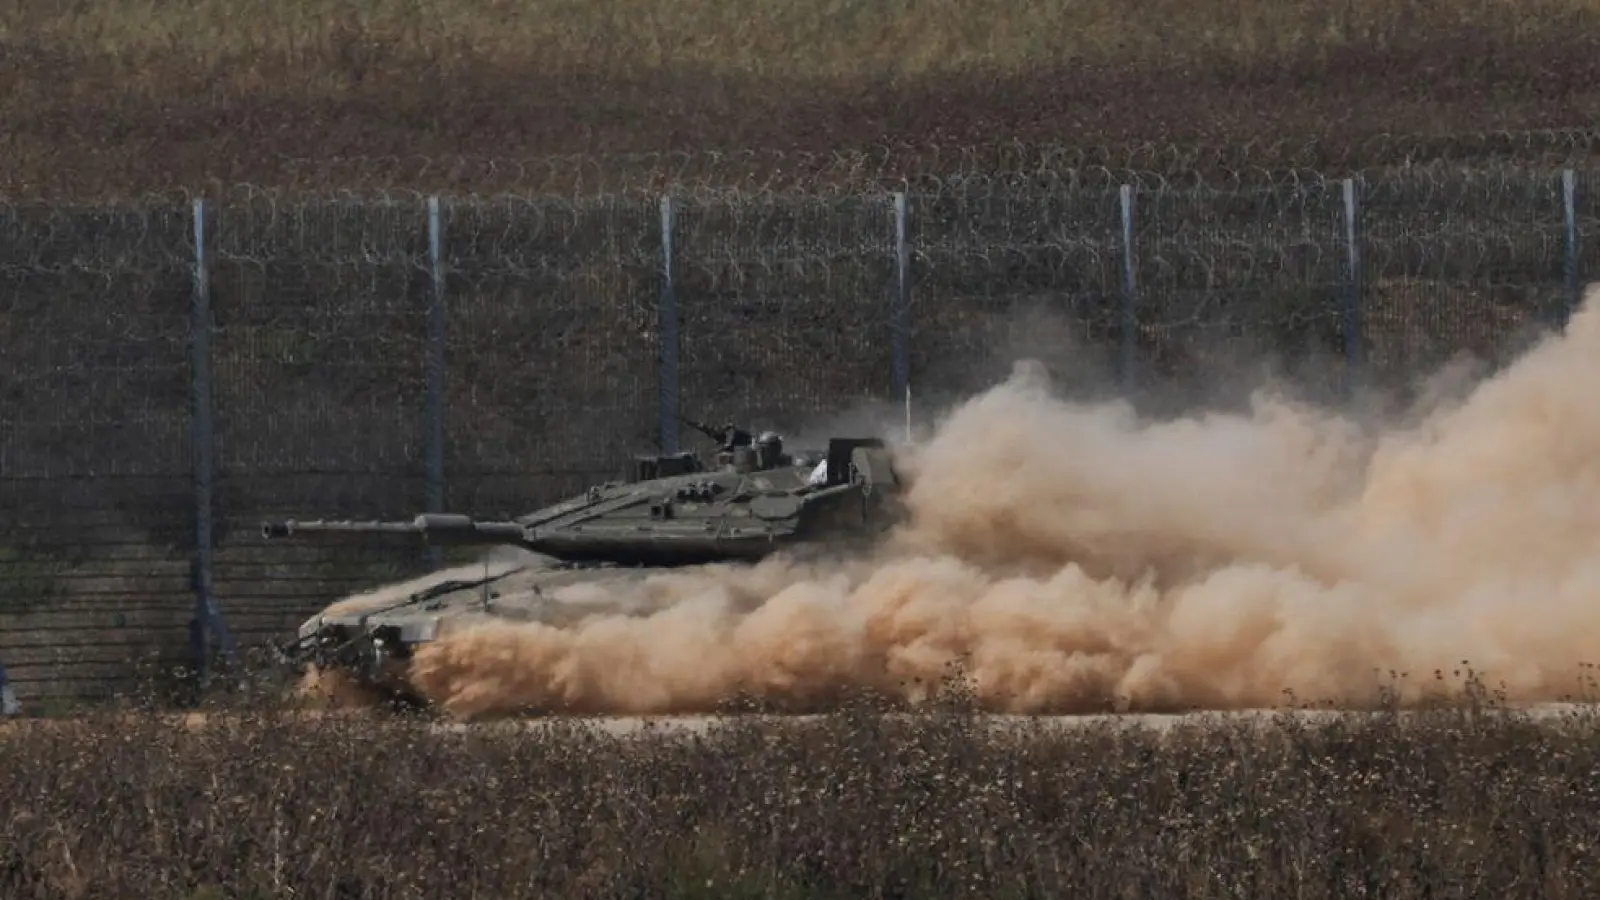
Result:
pixel 1353 343
pixel 8 697
pixel 1569 203
pixel 1130 291
pixel 901 351
pixel 434 448
pixel 207 612
pixel 667 310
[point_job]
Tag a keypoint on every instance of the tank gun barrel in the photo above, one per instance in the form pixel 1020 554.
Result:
pixel 434 528
pixel 716 434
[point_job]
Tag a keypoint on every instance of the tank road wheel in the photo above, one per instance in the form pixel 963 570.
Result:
pixel 326 689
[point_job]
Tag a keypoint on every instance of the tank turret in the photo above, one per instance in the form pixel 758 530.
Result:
pixel 744 510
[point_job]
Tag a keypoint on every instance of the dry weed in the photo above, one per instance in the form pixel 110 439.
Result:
pixel 1453 803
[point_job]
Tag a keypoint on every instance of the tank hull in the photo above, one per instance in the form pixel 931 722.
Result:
pixel 365 643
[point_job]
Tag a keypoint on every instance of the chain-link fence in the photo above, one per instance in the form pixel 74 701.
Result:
pixel 177 371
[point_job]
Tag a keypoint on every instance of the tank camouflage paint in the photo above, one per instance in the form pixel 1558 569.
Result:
pixel 670 512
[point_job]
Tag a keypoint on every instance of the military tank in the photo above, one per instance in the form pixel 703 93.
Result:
pixel 668 512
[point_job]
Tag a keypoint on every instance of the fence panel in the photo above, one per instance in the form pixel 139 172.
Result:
pixel 97 531
pixel 551 347
pixel 1586 207
pixel 1234 284
pixel 558 320
pixel 1471 263
pixel 319 311
pixel 785 309
pixel 1007 268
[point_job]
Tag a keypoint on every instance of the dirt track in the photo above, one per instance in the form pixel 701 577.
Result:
pixel 699 724
pixel 623 726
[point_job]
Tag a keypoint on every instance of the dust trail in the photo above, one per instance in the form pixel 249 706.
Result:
pixel 1079 558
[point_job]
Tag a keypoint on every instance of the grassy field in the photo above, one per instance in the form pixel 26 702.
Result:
pixel 117 98
pixel 1449 804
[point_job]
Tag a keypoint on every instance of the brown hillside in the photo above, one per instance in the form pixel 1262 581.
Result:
pixel 157 94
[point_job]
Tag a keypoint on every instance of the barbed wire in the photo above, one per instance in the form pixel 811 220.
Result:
pixel 1154 165
pixel 983 216
pixel 165 218
pixel 932 166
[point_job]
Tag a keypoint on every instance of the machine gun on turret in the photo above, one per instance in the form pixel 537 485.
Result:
pixel 736 447
pixel 728 437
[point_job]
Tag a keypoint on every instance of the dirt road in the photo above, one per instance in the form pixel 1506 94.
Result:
pixel 623 726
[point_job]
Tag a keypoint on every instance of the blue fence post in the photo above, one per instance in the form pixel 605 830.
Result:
pixel 207 612
pixel 901 351
pixel 1130 291
pixel 1354 346
pixel 1569 203
pixel 434 449
pixel 668 321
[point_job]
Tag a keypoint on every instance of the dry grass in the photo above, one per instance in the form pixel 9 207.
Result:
pixel 112 98
pixel 1450 804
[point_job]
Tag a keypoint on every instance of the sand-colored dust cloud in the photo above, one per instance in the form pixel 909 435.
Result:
pixel 1078 558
